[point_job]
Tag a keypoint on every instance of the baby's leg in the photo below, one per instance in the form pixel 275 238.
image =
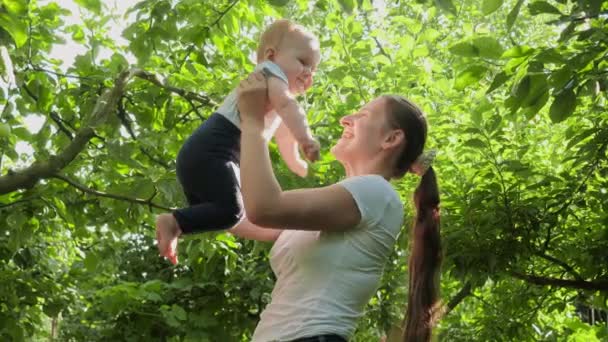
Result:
pixel 207 168
pixel 214 196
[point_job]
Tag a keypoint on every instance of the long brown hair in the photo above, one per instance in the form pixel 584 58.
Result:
pixel 425 255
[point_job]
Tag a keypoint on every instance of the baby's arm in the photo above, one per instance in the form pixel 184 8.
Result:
pixel 293 116
pixel 288 147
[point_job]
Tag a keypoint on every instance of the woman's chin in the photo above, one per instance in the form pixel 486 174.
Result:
pixel 339 153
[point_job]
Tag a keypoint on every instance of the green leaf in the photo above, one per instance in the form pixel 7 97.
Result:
pixel 466 49
pixel 475 143
pixel 540 7
pixel 575 140
pixel 518 51
pixel 550 56
pixel 469 76
pixel 563 106
pixel 561 77
pixel 348 5
pixel 591 7
pixel 520 90
pixel 52 309
pixel 490 6
pixel 531 89
pixel 16 219
pixel 90 262
pixel 421 51
pixel 488 47
pixel 499 80
pixel 17 7
pixel 179 312
pixel 589 88
pixel 512 16
pixel 278 3
pixel 15 27
pixel 568 32
pixel 77 33
pixel 5 130
pixel 446 5
pixel 92 5
pixel 536 104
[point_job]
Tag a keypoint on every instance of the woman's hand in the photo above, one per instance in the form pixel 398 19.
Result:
pixel 253 101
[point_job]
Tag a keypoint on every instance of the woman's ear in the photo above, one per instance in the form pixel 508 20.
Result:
pixel 394 139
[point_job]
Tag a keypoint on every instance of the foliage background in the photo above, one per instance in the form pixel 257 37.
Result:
pixel 515 92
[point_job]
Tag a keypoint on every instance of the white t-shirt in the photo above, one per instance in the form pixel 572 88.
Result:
pixel 325 279
pixel 272 120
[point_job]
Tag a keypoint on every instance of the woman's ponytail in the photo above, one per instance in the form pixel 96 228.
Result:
pixel 425 256
pixel 424 262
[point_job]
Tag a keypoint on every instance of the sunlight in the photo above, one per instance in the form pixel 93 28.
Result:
pixel 67 52
pixel 23 147
pixel 33 123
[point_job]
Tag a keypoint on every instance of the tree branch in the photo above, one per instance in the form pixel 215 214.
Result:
pixel 28 177
pixel 184 117
pixel 565 266
pixel 378 45
pixel 124 118
pixel 458 298
pixel 106 103
pixel 29 92
pixel 195 109
pixel 58 74
pixel 54 116
pixel 107 195
pixel 154 159
pixel 60 124
pixel 601 285
pixel 186 94
pixel 9 72
pixel 223 13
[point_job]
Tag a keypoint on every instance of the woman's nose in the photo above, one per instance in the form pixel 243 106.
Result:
pixel 347 121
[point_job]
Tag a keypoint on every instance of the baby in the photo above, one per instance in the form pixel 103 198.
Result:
pixel 208 162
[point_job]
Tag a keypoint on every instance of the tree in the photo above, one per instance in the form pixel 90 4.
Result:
pixel 515 92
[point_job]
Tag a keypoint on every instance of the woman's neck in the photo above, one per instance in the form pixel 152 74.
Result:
pixel 370 167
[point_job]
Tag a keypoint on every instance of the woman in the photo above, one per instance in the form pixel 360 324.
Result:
pixel 331 243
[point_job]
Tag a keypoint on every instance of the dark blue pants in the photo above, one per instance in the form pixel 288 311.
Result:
pixel 207 168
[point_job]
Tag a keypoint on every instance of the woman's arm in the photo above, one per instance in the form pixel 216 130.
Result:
pixel 328 208
pixel 248 230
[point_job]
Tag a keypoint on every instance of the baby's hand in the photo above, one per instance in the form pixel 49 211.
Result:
pixel 311 150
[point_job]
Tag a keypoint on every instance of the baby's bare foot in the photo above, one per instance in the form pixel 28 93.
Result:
pixel 167 233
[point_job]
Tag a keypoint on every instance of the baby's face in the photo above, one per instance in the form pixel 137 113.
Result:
pixel 298 56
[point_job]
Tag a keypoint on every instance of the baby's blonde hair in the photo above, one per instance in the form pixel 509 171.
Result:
pixel 274 34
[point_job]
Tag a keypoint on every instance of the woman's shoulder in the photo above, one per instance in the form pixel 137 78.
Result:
pixel 371 182
pixel 374 187
pixel 378 202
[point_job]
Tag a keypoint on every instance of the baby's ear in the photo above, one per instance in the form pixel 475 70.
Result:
pixel 269 53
